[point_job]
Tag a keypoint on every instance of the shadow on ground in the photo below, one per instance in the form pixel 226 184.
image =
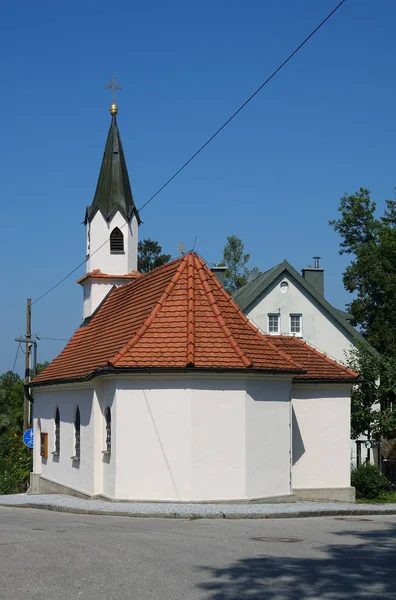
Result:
pixel 365 567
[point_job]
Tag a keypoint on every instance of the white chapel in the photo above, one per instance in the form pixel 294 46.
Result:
pixel 167 392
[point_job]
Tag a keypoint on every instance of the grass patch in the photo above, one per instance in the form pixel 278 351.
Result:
pixel 384 498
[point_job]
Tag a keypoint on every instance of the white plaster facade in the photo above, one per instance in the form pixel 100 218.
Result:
pixel 98 234
pixel 320 432
pixel 195 438
pixel 319 328
pixel 98 242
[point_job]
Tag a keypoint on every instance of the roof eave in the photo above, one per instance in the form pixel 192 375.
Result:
pixel 131 370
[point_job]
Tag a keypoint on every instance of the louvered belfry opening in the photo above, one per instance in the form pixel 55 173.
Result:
pixel 116 241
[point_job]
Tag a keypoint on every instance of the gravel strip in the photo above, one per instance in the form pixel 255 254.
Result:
pixel 71 504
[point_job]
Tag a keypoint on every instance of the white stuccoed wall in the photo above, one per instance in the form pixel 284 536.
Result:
pixel 318 327
pixel 321 436
pixel 268 438
pixel 153 430
pixel 98 233
pixel 187 440
pixel 77 475
pixel 196 438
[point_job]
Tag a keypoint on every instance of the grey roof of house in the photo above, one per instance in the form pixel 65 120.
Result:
pixel 249 293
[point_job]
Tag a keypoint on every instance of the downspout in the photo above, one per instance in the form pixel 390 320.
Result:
pixel 26 387
pixel 291 437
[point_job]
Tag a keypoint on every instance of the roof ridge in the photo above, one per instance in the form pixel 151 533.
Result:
pixel 230 299
pixel 142 330
pixel 190 310
pixel 199 264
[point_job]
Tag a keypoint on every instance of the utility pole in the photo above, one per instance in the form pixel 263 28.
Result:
pixel 26 404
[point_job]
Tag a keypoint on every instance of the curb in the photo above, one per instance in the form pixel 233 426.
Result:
pixel 216 515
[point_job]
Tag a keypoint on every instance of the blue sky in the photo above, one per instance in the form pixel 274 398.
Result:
pixel 324 126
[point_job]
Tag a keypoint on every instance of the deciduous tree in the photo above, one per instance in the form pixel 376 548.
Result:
pixel 236 260
pixel 150 256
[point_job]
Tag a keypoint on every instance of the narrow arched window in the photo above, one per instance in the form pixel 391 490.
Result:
pixel 57 432
pixel 108 428
pixel 77 438
pixel 116 241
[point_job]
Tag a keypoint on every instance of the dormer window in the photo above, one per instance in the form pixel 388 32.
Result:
pixel 116 241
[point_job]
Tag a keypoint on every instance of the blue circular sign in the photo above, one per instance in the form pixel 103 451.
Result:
pixel 28 438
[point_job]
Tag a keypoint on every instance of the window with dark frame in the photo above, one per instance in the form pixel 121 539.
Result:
pixel 77 434
pixel 116 241
pixel 57 432
pixel 108 428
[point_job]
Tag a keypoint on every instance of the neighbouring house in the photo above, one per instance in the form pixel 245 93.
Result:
pixel 168 392
pixel 280 301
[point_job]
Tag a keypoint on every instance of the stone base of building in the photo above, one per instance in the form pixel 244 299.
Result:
pixel 40 485
pixel 322 494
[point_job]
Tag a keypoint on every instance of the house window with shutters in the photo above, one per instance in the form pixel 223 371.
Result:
pixel 116 241
pixel 57 433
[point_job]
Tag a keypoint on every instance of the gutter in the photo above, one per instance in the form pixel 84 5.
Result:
pixel 150 370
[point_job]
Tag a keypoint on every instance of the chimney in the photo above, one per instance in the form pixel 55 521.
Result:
pixel 220 271
pixel 315 275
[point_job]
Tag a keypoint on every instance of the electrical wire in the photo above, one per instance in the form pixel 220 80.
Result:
pixel 212 137
pixel 53 338
pixel 16 357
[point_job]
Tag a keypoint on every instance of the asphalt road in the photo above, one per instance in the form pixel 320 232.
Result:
pixel 57 556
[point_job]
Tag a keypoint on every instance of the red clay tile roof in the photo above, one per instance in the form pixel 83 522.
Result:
pixel 97 274
pixel 316 364
pixel 178 316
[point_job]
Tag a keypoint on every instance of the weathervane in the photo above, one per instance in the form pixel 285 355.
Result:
pixel 114 87
pixel 181 248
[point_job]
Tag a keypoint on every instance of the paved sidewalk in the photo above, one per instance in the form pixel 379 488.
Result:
pixel 61 503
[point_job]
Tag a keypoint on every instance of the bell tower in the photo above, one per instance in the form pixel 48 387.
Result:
pixel 111 223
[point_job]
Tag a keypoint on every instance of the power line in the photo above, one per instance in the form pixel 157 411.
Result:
pixel 16 356
pixel 244 104
pixel 212 137
pixel 53 338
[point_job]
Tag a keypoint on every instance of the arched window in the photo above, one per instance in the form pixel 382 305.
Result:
pixel 108 428
pixel 57 432
pixel 77 435
pixel 116 241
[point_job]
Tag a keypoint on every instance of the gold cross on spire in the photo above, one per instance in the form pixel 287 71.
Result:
pixel 114 87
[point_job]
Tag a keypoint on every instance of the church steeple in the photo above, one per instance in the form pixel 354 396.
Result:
pixel 113 190
pixel 112 223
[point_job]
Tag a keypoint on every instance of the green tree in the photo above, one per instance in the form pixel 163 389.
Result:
pixel 15 458
pixel 235 259
pixel 150 256
pixel 371 275
pixel 372 399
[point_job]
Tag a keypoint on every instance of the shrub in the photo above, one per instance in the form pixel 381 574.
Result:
pixel 368 481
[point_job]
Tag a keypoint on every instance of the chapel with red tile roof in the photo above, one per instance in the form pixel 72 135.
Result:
pixel 167 391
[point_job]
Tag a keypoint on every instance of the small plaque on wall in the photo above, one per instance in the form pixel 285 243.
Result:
pixel 44 445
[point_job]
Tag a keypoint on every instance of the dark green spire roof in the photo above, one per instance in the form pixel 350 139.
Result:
pixel 113 190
